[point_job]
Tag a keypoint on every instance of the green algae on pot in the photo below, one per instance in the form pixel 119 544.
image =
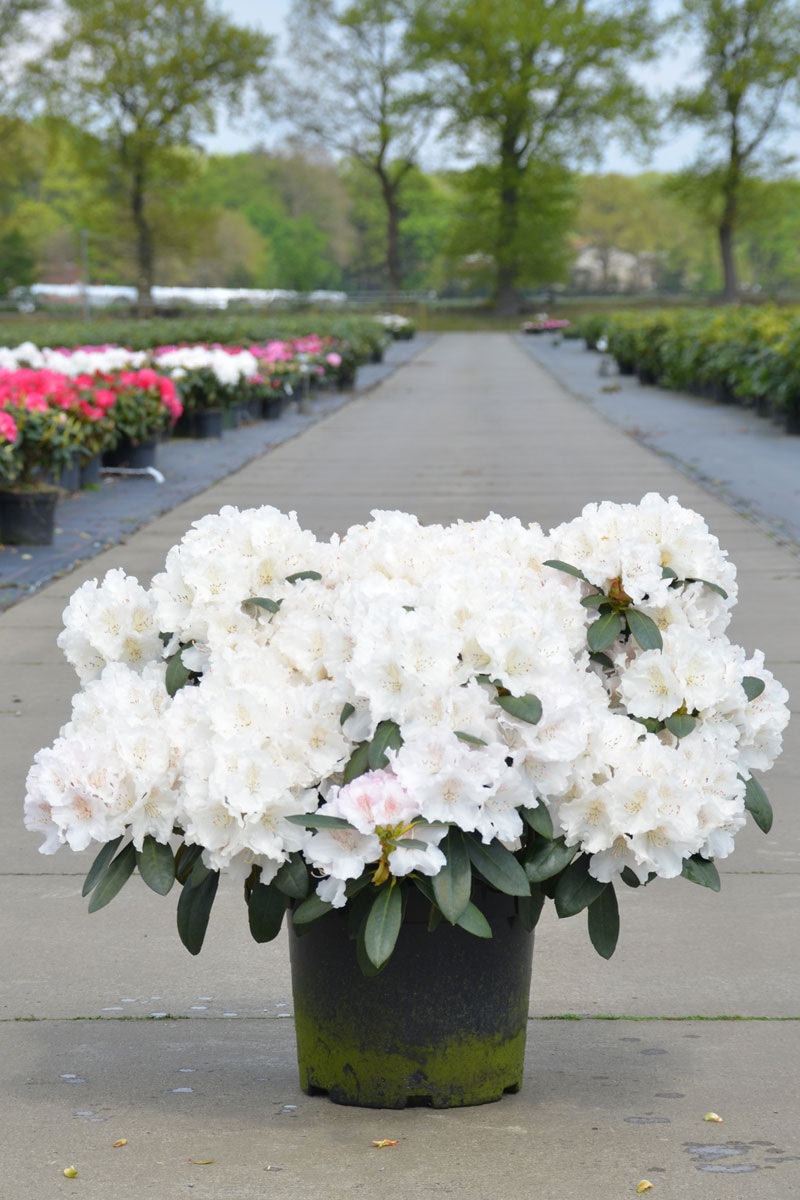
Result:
pixel 442 1024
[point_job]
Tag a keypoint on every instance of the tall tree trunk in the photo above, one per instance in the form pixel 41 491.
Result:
pixel 390 194
pixel 726 230
pixel 506 295
pixel 144 248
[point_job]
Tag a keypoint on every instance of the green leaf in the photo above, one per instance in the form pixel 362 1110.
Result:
pixel 185 858
pixel 357 763
pixel 524 708
pixel 468 738
pixel 602 660
pixel 310 909
pixel 713 586
pixel 651 724
pixel 753 687
pixel 576 888
pixel 156 864
pixel 539 819
pixel 387 736
pixel 545 859
pixel 265 911
pixel 194 909
pixel 116 874
pixel 530 907
pixel 347 712
pixel 298 575
pixel 271 606
pixel 603 921
pixel 757 804
pixel 317 820
pixel 383 925
pixel 644 629
pixel 292 878
pixel 603 632
pixel 596 600
pixel 177 675
pixel 473 921
pixel 702 871
pixel 562 566
pixel 453 884
pixel 668 573
pixel 680 725
pixel 104 857
pixel 630 878
pixel 498 866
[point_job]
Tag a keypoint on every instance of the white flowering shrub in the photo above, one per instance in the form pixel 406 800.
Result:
pixel 412 706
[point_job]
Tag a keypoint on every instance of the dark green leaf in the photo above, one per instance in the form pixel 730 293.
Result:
pixel 498 866
pixel 702 871
pixel 530 907
pixel 386 736
pixel 298 575
pixel 630 878
pixel 753 687
pixel 473 921
pixel 358 762
pixel 104 857
pixel 562 566
pixel 177 675
pixel 524 708
pixel 680 725
pixel 757 804
pixel 668 573
pixel 116 874
pixel 194 909
pixel 644 629
pixel 603 632
pixel 713 586
pixel 453 884
pixel 602 660
pixel 467 737
pixel 271 606
pixel 539 819
pixel 265 911
pixel 651 724
pixel 310 909
pixel 156 864
pixel 603 920
pixel 317 820
pixel 545 859
pixel 383 925
pixel 347 712
pixel 596 600
pixel 292 878
pixel 576 888
pixel 185 859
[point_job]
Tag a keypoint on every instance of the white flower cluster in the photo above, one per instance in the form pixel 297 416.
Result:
pixel 229 367
pixel 85 360
pixel 462 643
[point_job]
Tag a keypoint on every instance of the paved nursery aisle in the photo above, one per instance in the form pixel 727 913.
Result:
pixel 469 426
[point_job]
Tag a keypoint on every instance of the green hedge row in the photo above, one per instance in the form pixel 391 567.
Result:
pixel 748 356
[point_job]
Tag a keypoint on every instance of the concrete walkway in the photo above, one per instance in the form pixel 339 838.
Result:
pixel 110 1030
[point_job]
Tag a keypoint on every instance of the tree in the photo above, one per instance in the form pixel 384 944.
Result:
pixel 749 59
pixel 356 91
pixel 145 78
pixel 533 85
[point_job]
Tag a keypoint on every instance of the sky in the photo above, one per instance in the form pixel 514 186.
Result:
pixel 270 16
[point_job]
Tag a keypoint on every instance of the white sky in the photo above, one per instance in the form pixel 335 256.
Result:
pixel 270 17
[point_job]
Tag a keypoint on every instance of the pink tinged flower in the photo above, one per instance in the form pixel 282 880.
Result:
pixel 375 800
pixel 8 427
pixel 333 359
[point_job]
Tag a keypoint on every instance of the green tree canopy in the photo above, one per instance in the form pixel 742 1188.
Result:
pixel 145 78
pixel 531 86
pixel 748 61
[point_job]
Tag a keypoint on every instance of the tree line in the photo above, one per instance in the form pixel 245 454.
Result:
pixel 101 120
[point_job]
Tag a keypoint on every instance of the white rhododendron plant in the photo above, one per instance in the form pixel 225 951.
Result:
pixel 412 706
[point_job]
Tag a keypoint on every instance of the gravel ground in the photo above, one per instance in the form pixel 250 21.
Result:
pixel 747 461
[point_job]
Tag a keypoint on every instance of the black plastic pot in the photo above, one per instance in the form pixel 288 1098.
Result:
pixel 443 1024
pixel 28 518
